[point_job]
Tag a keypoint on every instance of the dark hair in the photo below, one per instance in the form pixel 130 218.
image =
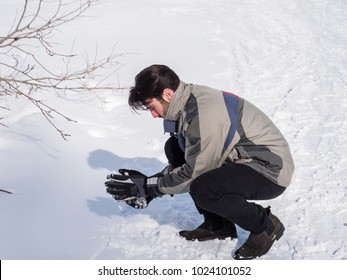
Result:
pixel 150 83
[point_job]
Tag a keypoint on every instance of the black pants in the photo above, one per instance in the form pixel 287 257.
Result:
pixel 224 192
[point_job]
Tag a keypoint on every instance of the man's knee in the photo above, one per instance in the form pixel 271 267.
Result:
pixel 193 189
pixel 200 189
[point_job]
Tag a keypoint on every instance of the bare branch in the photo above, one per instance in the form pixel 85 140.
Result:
pixel 5 191
pixel 27 54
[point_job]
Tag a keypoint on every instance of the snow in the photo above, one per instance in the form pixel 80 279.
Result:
pixel 287 57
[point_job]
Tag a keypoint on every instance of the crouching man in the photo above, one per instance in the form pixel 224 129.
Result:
pixel 223 150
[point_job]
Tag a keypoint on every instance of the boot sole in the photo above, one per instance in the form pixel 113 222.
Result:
pixel 220 237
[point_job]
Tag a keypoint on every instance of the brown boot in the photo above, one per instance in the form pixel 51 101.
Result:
pixel 259 244
pixel 206 232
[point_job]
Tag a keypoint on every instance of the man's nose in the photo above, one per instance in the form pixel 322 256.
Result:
pixel 154 114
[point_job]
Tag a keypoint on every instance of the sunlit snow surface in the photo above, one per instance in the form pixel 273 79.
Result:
pixel 287 57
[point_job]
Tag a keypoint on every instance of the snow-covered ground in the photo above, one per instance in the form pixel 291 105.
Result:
pixel 288 57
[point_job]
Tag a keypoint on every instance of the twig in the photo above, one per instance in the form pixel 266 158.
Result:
pixel 24 71
pixel 1 190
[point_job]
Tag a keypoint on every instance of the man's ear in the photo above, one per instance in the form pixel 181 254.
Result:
pixel 168 94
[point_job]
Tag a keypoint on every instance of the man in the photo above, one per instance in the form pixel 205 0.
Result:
pixel 223 151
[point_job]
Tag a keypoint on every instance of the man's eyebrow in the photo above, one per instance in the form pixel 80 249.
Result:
pixel 146 106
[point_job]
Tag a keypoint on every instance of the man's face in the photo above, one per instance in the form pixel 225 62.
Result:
pixel 158 108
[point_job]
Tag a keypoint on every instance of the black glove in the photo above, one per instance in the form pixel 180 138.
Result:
pixel 150 184
pixel 133 187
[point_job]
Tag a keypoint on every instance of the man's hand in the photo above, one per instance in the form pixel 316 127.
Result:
pixel 121 187
pixel 133 187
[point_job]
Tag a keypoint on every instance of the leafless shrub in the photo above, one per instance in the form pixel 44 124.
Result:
pixel 30 62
